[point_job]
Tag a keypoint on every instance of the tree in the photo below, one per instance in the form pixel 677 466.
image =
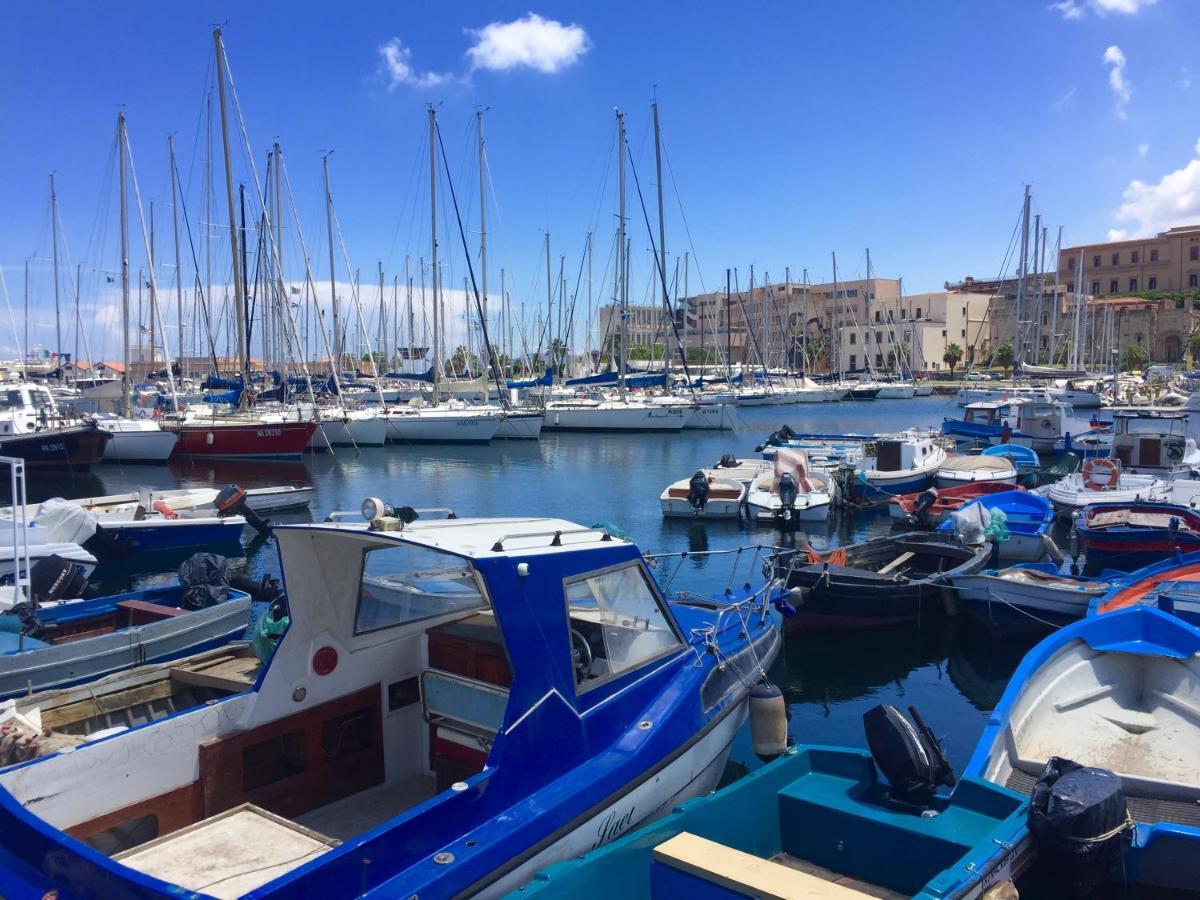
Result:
pixel 1136 357
pixel 1004 357
pixel 1194 347
pixel 952 357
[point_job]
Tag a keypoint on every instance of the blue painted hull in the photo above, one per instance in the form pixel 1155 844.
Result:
pixel 863 490
pixel 177 536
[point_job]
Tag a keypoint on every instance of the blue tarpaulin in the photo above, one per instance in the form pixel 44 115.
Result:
pixel 545 380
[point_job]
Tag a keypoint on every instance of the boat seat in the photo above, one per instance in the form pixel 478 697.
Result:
pixel 685 859
pixel 142 611
pixel 897 562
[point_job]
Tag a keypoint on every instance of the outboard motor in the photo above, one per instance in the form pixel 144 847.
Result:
pixel 920 513
pixel 698 491
pixel 231 501
pixel 788 493
pixel 1080 822
pixel 908 755
pixel 727 461
pixel 54 578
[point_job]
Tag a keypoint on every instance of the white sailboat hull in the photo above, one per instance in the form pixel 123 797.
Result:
pixel 895 392
pixel 442 426
pixel 520 425
pixel 615 417
pixel 350 432
pixel 710 417
pixel 137 441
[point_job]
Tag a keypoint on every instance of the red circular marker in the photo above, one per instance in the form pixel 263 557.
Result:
pixel 324 660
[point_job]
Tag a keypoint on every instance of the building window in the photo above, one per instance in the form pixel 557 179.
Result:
pixel 1095 287
pixel 903 313
pixel 879 360
pixel 918 312
pixel 1112 286
pixel 853 362
pixel 879 337
pixel 852 293
pixel 1096 261
pixel 1133 257
pixel 1133 284
pixel 943 332
pixel 853 338
pixel 1152 284
pixel 1192 280
pixel 876 315
pixel 1116 259
pixel 1194 253
pixel 1138 337
pixel 1153 256
pixel 1070 262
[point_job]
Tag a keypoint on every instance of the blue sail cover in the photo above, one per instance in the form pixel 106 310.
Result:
pixel 603 378
pixel 545 380
pixel 233 398
pixel 216 383
pixel 645 381
pixel 412 376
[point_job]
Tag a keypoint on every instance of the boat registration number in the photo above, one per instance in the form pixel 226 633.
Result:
pixel 53 448
pixel 270 432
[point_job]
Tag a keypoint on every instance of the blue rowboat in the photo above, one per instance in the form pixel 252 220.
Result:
pixel 1029 518
pixel 1117 692
pixel 814 816
pixel 82 640
pixel 1172 585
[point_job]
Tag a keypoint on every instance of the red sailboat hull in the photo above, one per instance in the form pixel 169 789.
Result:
pixel 244 440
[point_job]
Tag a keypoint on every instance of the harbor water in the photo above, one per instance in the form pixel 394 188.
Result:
pixel 953 675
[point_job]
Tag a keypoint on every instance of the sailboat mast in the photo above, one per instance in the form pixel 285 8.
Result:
pixel 125 382
pixel 1018 323
pixel 662 230
pixel 433 264
pixel 178 265
pixel 623 292
pixel 837 324
pixel 239 288
pixel 54 230
pixel 1055 302
pixel 549 310
pixel 336 362
pixel 483 259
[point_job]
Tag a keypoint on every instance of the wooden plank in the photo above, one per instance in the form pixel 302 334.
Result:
pixel 898 561
pixel 105 703
pixel 744 873
pixel 232 675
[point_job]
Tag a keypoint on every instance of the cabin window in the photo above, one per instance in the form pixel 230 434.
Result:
pixel 616 623
pixel 272 760
pixel 10 400
pixel 404 583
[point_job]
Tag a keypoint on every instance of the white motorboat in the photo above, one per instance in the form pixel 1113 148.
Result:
pixel 442 424
pixel 136 440
pixel 789 492
pixel 520 424
pixel 705 495
pixel 41 544
pixel 613 415
pixel 971 469
pixel 742 470
pixel 895 464
pixel 1102 480
pixel 1152 442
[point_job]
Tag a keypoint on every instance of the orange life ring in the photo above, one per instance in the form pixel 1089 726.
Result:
pixel 1101 473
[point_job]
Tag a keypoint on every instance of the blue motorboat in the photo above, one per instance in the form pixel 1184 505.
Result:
pixel 455 704
pixel 983 422
pixel 1128 535
pixel 1028 519
pixel 1116 694
pixel 817 822
pixel 59 645
pixel 1026 460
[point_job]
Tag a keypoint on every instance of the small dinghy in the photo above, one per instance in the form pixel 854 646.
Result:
pixel 703 496
pixel 819 822
pixel 1026 522
pixel 1126 536
pixel 885 581
pixel 1118 694
pixel 1026 461
pixel 976 469
pixel 789 493
pixel 1102 481
pixel 929 508
pixel 1027 597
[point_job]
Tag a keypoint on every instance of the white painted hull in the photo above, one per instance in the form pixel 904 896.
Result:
pixel 520 425
pixel 923 390
pixel 142 445
pixel 679 508
pixel 695 773
pixel 818 395
pixel 954 479
pixel 70 552
pixel 1036 598
pixel 1069 496
pixel 709 417
pixel 442 427
pixel 614 418
pixel 350 432
pixel 895 392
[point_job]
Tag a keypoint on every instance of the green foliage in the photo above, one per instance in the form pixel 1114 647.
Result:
pixel 1135 357
pixel 1004 357
pixel 952 357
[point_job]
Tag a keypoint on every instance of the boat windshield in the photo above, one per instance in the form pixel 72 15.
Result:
pixel 10 399
pixel 617 615
pixel 403 583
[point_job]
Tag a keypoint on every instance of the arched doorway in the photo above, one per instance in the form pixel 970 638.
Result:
pixel 1172 347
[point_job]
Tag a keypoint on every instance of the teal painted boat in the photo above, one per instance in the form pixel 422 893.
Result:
pixel 818 821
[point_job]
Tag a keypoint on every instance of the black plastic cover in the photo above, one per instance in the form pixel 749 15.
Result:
pixel 205 580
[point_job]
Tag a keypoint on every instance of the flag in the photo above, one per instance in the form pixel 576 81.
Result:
pixel 295 290
pixel 109 279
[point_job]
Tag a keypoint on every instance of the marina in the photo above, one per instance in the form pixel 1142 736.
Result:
pixel 500 482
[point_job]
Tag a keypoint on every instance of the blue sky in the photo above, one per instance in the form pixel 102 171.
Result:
pixel 792 129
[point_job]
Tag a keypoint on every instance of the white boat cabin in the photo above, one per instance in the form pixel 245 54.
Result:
pixel 1153 442
pixel 25 407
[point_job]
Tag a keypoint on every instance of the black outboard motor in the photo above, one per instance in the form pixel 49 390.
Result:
pixel 788 493
pixel 1079 819
pixel 55 578
pixel 920 513
pixel 908 755
pixel 698 491
pixel 727 461
pixel 231 501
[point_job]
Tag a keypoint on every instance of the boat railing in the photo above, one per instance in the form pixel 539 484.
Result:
pixel 20 529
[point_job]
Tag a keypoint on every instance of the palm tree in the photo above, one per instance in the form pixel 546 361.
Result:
pixel 1194 347
pixel 1004 357
pixel 952 357
pixel 1136 357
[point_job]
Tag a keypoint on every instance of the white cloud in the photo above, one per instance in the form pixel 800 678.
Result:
pixel 1074 10
pixel 1185 77
pixel 395 64
pixel 1173 200
pixel 1143 149
pixel 529 42
pixel 1117 234
pixel 1115 60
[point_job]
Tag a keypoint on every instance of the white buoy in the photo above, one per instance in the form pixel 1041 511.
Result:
pixel 768 720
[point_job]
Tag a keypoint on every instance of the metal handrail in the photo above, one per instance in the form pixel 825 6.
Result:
pixel 20 530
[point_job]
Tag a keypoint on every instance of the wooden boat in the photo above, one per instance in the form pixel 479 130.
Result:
pixel 397 719
pixel 1026 597
pixel 930 507
pixel 703 496
pixel 819 822
pixel 1028 519
pixel 1172 585
pixel 974 469
pixel 79 641
pixel 884 581
pixel 1126 536
pixel 1119 692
